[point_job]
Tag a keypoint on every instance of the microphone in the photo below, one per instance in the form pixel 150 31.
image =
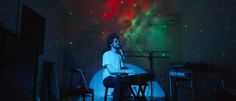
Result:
pixel 122 54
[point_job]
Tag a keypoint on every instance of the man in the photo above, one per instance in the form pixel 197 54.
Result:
pixel 113 63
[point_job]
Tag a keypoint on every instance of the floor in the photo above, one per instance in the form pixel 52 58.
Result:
pixel 109 98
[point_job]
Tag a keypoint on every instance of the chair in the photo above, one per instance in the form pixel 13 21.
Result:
pixel 75 92
pixel 82 90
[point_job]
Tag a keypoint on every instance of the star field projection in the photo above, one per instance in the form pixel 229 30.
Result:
pixel 109 15
pixel 220 34
pixel 130 19
pixel 126 17
pixel 105 16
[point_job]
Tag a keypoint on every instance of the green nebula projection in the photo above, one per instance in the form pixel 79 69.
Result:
pixel 143 35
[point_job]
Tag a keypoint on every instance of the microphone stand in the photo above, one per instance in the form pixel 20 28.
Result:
pixel 151 70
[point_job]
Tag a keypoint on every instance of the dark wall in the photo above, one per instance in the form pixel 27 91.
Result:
pixel 208 36
pixel 208 33
pixel 10 14
pixel 19 73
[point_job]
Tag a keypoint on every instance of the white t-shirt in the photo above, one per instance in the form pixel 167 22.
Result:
pixel 113 59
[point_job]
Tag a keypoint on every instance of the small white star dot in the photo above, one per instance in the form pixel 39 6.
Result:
pixel 71 43
pixel 223 54
pixel 185 26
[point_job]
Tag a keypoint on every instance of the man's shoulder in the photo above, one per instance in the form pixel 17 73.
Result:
pixel 107 53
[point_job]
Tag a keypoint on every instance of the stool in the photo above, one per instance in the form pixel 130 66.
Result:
pixel 106 91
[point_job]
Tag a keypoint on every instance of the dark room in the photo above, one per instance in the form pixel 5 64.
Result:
pixel 118 50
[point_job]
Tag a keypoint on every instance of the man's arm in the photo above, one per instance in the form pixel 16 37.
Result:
pixel 113 71
pixel 117 72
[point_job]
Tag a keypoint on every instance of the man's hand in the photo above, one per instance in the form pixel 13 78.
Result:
pixel 130 71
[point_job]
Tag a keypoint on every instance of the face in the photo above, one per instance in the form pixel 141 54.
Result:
pixel 115 44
